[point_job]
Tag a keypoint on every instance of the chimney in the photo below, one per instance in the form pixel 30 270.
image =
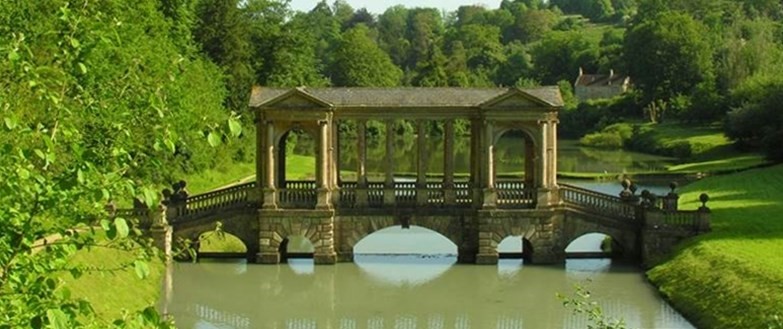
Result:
pixel 581 72
pixel 611 73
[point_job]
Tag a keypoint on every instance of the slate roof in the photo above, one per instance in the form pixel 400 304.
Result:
pixel 600 80
pixel 405 96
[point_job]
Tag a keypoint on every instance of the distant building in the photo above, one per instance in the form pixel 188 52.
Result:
pixel 592 86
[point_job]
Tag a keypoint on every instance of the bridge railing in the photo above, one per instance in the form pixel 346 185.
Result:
pixel 600 203
pixel 514 194
pixel 232 196
pixel 298 194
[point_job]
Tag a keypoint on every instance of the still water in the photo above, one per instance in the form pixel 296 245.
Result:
pixel 408 278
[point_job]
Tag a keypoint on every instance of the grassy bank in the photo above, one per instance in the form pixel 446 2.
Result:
pixel 113 291
pixel 733 276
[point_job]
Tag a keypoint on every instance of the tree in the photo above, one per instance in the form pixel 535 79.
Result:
pixel 560 55
pixel 668 56
pixel 360 62
pixel 223 34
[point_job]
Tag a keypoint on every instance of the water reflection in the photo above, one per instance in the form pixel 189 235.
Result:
pixel 404 270
pixel 408 292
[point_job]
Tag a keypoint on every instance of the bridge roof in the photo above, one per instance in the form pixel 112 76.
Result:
pixel 402 97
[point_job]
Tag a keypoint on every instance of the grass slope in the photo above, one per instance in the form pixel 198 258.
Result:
pixel 733 276
pixel 112 292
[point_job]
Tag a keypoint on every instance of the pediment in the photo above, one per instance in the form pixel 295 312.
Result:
pixel 297 98
pixel 515 99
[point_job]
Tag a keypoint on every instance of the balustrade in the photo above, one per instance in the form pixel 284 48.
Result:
pixel 598 202
pixel 298 194
pixel 514 194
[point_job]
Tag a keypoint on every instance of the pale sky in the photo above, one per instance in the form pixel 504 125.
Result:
pixel 379 6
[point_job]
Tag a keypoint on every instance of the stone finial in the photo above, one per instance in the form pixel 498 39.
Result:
pixel 626 194
pixel 704 198
pixel 633 188
pixel 673 185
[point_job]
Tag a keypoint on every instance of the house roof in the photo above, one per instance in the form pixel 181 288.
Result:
pixel 599 80
pixel 406 96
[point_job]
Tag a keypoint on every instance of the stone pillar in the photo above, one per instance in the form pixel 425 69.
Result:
pixel 324 248
pixel 388 191
pixel 259 190
pixel 530 164
pixel 268 238
pixel 323 163
pixel 334 163
pixel 422 196
pixel 449 195
pixel 553 154
pixel 270 188
pixel 475 163
pixel 490 195
pixel 361 164
pixel 487 241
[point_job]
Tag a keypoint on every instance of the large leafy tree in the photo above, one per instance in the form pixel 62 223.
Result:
pixel 360 62
pixel 668 56
pixel 223 33
pixel 560 55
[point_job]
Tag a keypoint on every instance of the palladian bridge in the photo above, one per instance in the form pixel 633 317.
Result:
pixel 475 211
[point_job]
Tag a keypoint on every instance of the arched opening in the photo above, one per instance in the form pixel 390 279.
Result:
pixel 594 245
pixel 513 252
pixel 297 251
pixel 296 163
pixel 398 256
pixel 218 245
pixel 514 168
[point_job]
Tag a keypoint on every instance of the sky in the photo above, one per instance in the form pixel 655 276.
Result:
pixel 379 6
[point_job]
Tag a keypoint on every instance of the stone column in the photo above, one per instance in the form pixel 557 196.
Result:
pixel 388 191
pixel 323 162
pixel 161 231
pixel 270 189
pixel 422 196
pixel 259 190
pixel 334 163
pixel 361 164
pixel 490 195
pixel 449 195
pixel 475 163
pixel 324 248
pixel 553 154
pixel 530 164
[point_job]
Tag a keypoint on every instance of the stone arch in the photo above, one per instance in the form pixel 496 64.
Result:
pixel 532 150
pixel 356 229
pixel 625 237
pixel 281 148
pixel 244 227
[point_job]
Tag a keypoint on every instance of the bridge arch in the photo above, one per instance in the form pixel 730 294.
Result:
pixel 355 229
pixel 623 236
pixel 242 225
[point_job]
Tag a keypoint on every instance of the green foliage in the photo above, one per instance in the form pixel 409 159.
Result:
pixel 758 121
pixel 668 56
pixel 730 277
pixel 581 304
pixel 359 62
pixel 613 136
pixel 560 55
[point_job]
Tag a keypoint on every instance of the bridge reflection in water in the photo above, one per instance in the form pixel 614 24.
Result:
pixel 237 295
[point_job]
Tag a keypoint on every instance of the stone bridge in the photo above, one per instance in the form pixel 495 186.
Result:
pixel 474 211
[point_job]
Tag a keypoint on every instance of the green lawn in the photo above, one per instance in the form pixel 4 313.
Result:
pixel 112 292
pixel 733 276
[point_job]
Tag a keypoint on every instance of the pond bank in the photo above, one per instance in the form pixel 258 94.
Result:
pixel 731 277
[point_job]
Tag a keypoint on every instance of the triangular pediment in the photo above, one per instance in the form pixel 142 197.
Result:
pixel 515 99
pixel 297 98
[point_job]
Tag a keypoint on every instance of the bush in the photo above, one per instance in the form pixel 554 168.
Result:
pixel 613 136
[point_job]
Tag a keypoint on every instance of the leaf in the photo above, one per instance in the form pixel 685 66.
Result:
pixel 122 227
pixel 150 197
pixel 40 154
pixel 75 43
pixel 213 139
pixel 57 319
pixel 142 270
pixel 170 145
pixel 234 127
pixel 82 68
pixel 10 123
pixel 79 176
pixel 23 173
pixel 13 56
pixel 105 224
